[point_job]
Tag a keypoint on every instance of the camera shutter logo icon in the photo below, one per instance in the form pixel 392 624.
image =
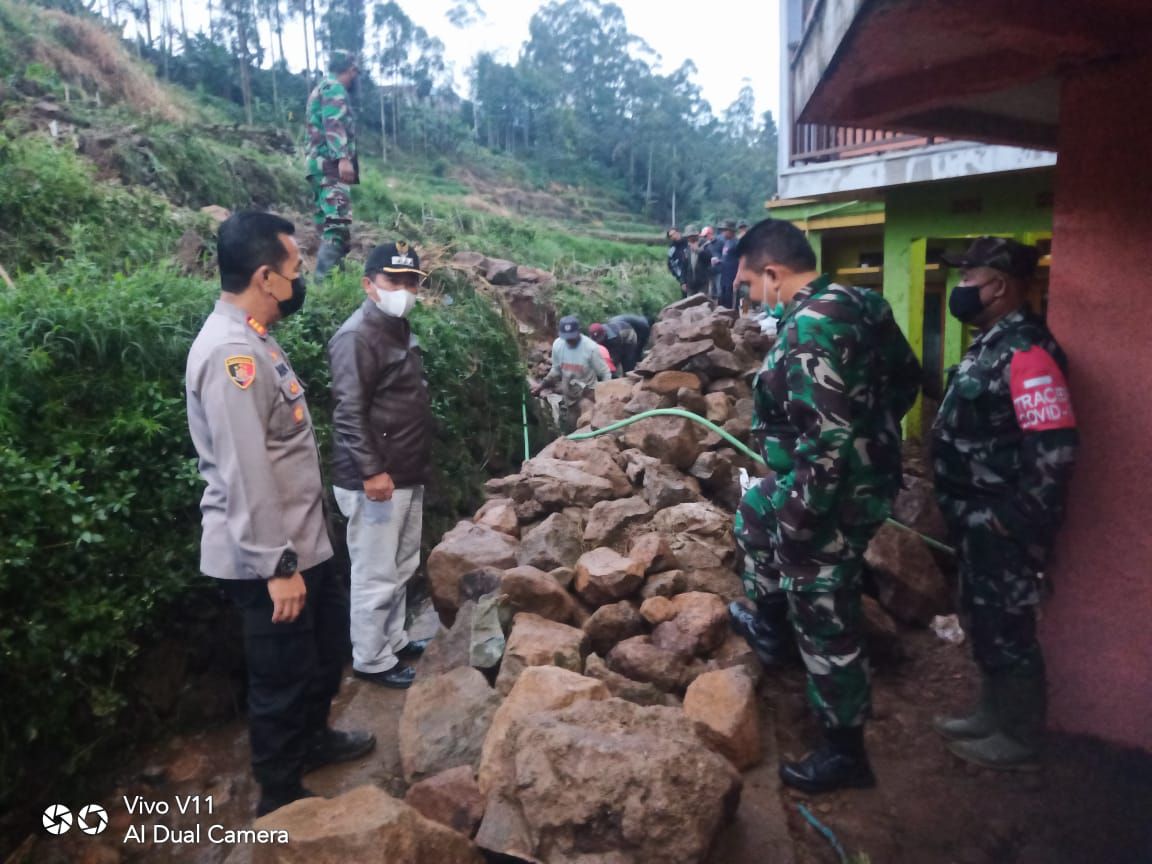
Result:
pixel 57 819
pixel 92 819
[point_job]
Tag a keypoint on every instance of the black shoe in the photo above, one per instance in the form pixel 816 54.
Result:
pixel 413 649
pixel 275 797
pixel 333 745
pixel 398 677
pixel 770 639
pixel 841 763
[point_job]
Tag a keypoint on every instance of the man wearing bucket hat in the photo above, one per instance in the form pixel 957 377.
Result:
pixel 382 431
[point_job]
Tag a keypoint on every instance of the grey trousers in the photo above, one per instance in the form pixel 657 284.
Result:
pixel 384 557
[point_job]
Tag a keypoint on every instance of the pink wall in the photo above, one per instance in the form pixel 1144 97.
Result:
pixel 1097 632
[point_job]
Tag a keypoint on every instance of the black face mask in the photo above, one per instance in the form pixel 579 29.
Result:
pixel 964 303
pixel 292 305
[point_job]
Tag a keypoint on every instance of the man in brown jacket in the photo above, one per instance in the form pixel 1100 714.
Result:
pixel 382 441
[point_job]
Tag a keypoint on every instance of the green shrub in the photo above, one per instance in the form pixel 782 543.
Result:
pixel 51 207
pixel 99 490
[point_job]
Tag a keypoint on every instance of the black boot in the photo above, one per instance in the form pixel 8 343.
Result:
pixel 840 763
pixel 766 629
pixel 275 797
pixel 332 745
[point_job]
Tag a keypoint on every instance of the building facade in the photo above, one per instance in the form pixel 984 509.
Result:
pixel 1030 81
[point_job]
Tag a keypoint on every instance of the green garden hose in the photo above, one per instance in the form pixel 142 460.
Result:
pixel 524 420
pixel 735 442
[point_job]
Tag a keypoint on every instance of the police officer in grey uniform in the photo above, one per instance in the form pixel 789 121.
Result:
pixel 265 535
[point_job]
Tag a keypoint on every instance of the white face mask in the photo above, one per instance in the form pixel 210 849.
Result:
pixel 397 303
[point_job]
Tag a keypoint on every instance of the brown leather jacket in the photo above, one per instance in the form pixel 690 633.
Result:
pixel 382 416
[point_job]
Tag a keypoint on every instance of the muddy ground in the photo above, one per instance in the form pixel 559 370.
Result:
pixel 1090 804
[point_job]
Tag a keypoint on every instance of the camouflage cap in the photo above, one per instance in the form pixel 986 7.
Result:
pixel 998 253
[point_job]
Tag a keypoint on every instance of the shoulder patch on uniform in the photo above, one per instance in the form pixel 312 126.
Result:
pixel 241 369
pixel 1040 392
pixel 260 329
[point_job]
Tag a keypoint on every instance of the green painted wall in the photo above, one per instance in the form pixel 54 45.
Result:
pixel 919 217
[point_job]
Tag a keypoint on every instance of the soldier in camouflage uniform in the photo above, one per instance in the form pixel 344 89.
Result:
pixel 332 163
pixel 828 405
pixel 1003 444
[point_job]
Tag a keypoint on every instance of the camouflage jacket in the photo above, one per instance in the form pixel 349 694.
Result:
pixel 1005 438
pixel 331 128
pixel 828 405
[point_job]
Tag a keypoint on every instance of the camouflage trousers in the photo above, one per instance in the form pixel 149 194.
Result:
pixel 1000 588
pixel 826 615
pixel 332 203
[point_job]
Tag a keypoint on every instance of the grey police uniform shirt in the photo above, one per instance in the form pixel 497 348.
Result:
pixel 253 432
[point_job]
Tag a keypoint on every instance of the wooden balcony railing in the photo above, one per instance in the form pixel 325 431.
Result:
pixel 815 143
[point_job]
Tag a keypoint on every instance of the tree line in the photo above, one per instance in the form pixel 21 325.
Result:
pixel 583 101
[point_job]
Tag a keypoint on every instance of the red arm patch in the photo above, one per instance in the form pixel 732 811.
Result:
pixel 1040 392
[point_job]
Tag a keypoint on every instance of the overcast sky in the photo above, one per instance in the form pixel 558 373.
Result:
pixel 728 41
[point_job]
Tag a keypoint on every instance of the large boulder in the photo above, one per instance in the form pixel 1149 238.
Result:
pixel 611 624
pixel 610 521
pixel 541 688
pixel 467 260
pixel 697 628
pixel 909 581
pixel 613 390
pixel 452 798
pixel 674 355
pixel 636 463
pixel 449 648
pixel 700 534
pixel 664 487
pixel 718 407
pixel 916 507
pixel 444 722
pixel 536 641
pixel 500 515
pixel 665 584
pixel 466 547
pixel 609 781
pixel 717 328
pixel 654 552
pixel 556 483
pixel 604 576
pixel 721 581
pixel 528 589
pixel 366 824
pixel 670 439
pixel 637 658
pixel 669 383
pixel 500 272
pixel 623 687
pixel 555 542
pixel 724 701
pixel 647 400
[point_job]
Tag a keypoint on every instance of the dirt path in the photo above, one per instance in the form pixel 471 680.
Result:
pixel 1089 804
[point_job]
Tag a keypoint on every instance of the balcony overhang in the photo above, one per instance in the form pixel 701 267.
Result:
pixel 981 70
pixel 953 160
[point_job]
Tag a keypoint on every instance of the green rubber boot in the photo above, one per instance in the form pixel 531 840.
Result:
pixel 979 724
pixel 1021 700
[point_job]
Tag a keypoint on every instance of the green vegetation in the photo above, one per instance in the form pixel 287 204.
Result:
pixel 99 488
pixel 48 187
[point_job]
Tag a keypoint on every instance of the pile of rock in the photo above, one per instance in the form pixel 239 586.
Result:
pixel 588 700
